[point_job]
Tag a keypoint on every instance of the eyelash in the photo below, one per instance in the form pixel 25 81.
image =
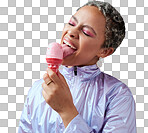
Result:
pixel 83 31
pixel 70 24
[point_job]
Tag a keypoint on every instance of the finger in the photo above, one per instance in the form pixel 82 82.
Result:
pixel 53 76
pixel 48 88
pixel 46 78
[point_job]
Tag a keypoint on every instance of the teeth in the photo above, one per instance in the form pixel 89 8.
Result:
pixel 67 43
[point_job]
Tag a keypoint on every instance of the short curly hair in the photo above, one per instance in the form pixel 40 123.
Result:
pixel 115 26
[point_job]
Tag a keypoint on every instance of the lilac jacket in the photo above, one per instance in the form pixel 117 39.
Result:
pixel 104 103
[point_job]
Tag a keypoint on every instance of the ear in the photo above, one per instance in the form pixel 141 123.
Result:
pixel 104 52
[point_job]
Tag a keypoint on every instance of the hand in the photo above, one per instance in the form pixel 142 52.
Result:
pixel 58 96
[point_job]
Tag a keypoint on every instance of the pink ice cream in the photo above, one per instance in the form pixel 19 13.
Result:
pixel 54 50
pixel 55 54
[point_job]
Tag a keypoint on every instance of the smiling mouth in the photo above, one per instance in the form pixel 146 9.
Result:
pixel 69 45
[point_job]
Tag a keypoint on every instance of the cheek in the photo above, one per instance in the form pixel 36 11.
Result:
pixel 87 53
pixel 89 50
pixel 89 45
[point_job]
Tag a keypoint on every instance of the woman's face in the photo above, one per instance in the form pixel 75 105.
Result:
pixel 86 31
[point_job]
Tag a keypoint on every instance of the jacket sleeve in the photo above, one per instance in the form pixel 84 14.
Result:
pixel 78 125
pixel 25 125
pixel 119 115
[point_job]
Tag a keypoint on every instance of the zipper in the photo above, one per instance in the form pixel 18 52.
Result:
pixel 75 70
pixel 74 85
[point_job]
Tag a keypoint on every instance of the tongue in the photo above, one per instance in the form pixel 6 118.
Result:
pixel 67 50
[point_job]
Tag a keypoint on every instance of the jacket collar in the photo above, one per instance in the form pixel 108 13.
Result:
pixel 85 73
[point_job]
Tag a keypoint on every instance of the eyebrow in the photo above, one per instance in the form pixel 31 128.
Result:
pixel 84 25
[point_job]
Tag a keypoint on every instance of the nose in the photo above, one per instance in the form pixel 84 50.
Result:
pixel 72 33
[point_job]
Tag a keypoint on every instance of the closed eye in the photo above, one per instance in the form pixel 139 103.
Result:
pixel 86 34
pixel 83 31
pixel 71 24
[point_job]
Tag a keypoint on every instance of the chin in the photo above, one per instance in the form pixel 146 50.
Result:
pixel 64 63
pixel 69 63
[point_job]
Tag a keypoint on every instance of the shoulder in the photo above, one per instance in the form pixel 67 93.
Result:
pixel 110 79
pixel 117 93
pixel 112 85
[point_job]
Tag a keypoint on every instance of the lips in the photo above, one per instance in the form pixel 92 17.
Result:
pixel 69 41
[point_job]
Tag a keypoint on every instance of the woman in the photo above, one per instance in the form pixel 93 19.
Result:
pixel 82 99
